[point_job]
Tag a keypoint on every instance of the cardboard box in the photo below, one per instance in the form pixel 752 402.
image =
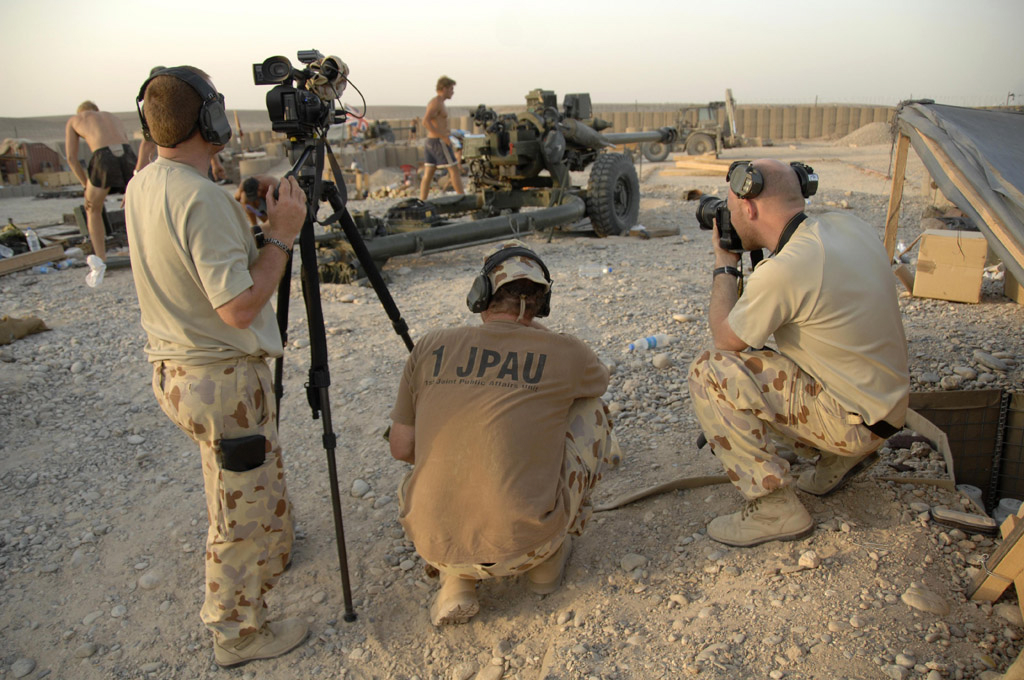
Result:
pixel 950 265
pixel 56 179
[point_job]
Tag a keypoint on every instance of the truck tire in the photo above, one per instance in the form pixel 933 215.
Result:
pixel 613 195
pixel 699 144
pixel 656 151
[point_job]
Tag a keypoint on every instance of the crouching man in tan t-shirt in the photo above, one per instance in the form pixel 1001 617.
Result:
pixel 508 436
pixel 835 387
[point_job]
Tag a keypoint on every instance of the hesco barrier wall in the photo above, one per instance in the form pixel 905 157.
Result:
pixel 775 122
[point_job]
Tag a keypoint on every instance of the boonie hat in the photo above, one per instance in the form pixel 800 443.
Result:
pixel 515 268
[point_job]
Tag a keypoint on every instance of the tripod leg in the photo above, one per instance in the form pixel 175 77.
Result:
pixel 317 391
pixel 369 266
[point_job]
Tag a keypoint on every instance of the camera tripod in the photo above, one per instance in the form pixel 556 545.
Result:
pixel 308 170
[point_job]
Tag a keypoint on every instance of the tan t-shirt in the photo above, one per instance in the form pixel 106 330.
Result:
pixel 829 299
pixel 190 249
pixel 489 405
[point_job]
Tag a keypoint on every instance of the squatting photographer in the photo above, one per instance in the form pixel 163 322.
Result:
pixel 203 287
pixel 836 387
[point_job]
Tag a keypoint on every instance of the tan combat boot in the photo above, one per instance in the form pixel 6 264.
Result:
pixel 455 601
pixel 779 516
pixel 832 472
pixel 273 639
pixel 545 578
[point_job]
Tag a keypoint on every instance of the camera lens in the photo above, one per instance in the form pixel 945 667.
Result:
pixel 706 211
pixel 277 69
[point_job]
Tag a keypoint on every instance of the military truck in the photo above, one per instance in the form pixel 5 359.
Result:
pixel 699 131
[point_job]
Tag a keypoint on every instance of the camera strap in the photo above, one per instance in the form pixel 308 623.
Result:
pixel 789 230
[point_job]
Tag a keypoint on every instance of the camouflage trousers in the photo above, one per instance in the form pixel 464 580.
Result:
pixel 751 403
pixel 590 448
pixel 250 534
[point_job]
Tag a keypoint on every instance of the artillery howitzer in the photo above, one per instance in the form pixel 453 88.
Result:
pixel 516 160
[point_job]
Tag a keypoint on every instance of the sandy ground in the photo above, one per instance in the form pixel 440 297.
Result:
pixel 101 538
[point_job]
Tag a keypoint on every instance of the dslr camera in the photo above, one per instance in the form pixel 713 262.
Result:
pixel 302 101
pixel 745 181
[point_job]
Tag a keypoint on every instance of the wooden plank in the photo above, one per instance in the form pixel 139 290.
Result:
pixel 30 259
pixel 687 172
pixel 1003 568
pixel 892 216
pixel 710 157
pixel 1005 530
pixel 707 169
pixel 708 160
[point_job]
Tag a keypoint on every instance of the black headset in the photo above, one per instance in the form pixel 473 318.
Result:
pixel 479 297
pixel 212 121
pixel 750 182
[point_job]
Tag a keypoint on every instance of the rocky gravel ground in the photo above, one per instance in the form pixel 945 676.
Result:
pixel 102 534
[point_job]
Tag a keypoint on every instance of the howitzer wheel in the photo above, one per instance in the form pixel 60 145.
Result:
pixel 613 195
pixel 656 151
pixel 699 144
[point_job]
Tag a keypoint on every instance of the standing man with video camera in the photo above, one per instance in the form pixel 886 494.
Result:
pixel 507 434
pixel 838 384
pixel 204 288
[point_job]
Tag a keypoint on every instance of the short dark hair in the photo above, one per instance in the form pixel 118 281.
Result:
pixel 443 82
pixel 506 299
pixel 171 107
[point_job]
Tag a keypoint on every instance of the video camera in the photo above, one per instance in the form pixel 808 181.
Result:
pixel 745 181
pixel 302 102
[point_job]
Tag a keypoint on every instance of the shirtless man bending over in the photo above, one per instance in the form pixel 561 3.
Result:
pixel 110 166
pixel 438 148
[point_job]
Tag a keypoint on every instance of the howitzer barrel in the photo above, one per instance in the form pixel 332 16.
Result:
pixel 466 233
pixel 665 135
pixel 584 135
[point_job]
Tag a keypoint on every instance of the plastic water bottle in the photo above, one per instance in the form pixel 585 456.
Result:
pixel 45 268
pixel 5 251
pixel 33 239
pixel 650 342
pixel 592 270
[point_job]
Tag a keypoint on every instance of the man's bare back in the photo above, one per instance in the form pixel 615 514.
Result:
pixel 110 168
pixel 98 128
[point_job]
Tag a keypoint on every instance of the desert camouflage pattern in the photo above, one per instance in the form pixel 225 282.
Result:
pixel 748 403
pixel 515 268
pixel 250 534
pixel 590 448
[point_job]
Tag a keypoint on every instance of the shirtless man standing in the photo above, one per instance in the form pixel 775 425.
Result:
pixel 438 148
pixel 110 166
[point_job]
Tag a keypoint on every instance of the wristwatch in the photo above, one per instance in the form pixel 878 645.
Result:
pixel 732 271
pixel 271 241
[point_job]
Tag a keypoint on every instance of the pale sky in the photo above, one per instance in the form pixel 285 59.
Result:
pixel 959 52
